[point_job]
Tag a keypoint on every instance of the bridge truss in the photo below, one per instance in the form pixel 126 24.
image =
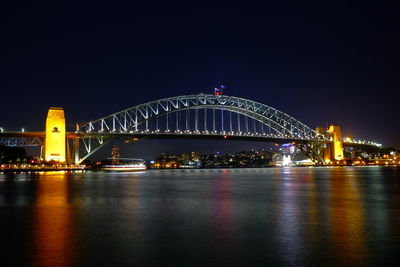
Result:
pixel 198 116
pixel 22 141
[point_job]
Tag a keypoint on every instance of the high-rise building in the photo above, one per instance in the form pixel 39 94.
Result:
pixel 115 155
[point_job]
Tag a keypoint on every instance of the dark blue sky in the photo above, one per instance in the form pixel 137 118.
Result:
pixel 321 63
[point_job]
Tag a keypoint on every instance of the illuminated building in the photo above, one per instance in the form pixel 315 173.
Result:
pixel 55 135
pixel 115 155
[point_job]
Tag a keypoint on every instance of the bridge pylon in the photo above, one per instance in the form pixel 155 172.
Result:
pixel 333 150
pixel 55 139
pixel 337 143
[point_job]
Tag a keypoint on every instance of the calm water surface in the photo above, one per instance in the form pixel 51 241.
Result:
pixel 228 217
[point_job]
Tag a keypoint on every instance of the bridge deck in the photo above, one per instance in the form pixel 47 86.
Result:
pixel 34 134
pixel 182 135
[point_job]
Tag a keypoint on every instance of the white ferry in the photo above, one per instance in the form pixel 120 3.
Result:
pixel 125 165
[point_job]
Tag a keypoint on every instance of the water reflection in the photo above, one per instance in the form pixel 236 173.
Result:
pixel 319 214
pixel 312 203
pixel 347 229
pixel 52 225
pixel 289 217
pixel 293 216
pixel 223 205
pixel 222 220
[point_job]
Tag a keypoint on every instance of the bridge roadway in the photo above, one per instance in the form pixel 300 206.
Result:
pixel 14 138
pixel 173 135
pixel 200 135
pixel 42 134
pixel 128 136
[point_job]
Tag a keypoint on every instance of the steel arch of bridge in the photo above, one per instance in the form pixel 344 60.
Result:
pixel 132 121
pixel 129 119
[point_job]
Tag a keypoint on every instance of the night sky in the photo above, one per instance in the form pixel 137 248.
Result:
pixel 319 63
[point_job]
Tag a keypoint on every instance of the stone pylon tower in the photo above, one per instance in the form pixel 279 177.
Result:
pixel 337 149
pixel 333 151
pixel 55 135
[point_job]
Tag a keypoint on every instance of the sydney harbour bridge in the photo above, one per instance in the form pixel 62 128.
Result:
pixel 200 116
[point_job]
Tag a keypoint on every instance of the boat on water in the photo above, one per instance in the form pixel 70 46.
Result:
pixel 124 164
pixel 130 167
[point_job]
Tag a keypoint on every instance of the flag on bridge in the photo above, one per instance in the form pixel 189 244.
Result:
pixel 218 90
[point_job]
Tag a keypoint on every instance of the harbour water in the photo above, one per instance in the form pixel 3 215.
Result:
pixel 347 216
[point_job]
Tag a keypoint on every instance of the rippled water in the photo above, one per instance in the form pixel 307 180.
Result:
pixel 236 217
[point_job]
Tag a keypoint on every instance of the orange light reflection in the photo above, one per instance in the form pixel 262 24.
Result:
pixel 52 221
pixel 347 217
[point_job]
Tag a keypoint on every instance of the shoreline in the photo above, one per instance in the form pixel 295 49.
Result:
pixel 6 171
pixel 41 170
